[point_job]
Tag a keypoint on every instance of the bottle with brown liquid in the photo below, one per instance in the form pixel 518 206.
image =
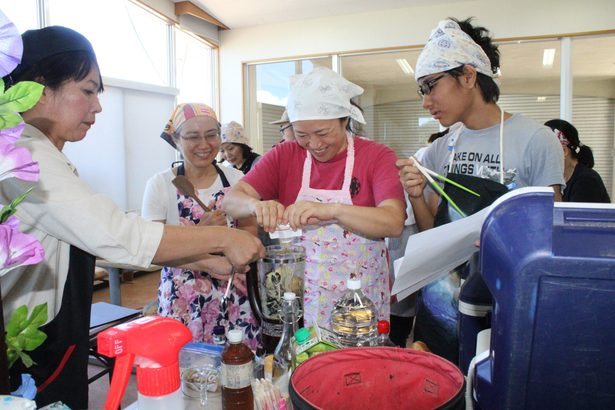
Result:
pixel 236 377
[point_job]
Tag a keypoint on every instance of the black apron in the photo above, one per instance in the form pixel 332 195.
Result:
pixel 437 314
pixel 61 369
pixel 182 171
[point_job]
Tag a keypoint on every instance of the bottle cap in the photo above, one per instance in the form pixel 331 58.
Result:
pixel 235 336
pixel 289 296
pixel 353 284
pixel 383 327
pixel 219 330
pixel 302 335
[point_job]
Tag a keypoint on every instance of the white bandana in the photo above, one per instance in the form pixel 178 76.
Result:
pixel 322 95
pixel 449 47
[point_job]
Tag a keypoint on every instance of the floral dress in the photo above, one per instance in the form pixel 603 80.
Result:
pixel 195 297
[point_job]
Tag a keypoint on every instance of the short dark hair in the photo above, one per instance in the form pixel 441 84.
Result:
pixel 53 71
pixel 481 36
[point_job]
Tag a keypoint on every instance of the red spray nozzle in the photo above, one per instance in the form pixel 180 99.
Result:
pixel 154 338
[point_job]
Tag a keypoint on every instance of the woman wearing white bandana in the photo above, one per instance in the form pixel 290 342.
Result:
pixel 343 191
pixel 487 150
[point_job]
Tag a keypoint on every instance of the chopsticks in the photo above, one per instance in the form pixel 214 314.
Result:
pixel 427 173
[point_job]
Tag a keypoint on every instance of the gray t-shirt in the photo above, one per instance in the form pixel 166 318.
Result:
pixel 530 148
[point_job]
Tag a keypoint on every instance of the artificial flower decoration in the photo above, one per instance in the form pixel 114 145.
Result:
pixel 16 161
pixel 11 46
pixel 17 248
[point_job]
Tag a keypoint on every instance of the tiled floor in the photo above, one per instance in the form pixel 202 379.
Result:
pixel 137 292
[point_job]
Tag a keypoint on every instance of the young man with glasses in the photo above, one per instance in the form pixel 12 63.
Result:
pixel 487 150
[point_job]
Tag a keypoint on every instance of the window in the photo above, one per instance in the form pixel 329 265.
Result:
pixel 135 46
pixel 195 62
pixel 267 94
pixel 392 107
pixel 22 13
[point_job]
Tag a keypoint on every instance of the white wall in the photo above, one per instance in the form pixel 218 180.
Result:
pixel 395 28
pixel 124 149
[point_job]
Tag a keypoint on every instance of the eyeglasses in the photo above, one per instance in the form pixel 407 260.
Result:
pixel 428 85
pixel 284 128
pixel 194 138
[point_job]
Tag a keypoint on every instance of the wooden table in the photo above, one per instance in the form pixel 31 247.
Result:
pixel 115 270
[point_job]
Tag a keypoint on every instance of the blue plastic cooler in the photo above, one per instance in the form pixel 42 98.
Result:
pixel 551 271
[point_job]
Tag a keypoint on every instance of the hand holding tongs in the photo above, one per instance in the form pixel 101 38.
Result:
pixel 427 173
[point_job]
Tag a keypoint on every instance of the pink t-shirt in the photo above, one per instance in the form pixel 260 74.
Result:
pixel 374 176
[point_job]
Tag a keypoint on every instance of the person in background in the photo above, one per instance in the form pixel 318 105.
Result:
pixel 191 296
pixel 74 224
pixel 286 128
pixel 489 151
pixel 583 184
pixel 341 190
pixel 403 311
pixel 236 148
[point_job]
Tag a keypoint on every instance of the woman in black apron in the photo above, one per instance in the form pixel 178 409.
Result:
pixel 192 296
pixel 73 223
pixel 487 150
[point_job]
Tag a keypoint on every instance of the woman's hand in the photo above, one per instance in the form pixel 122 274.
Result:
pixel 222 271
pixel 411 178
pixel 213 218
pixel 268 214
pixel 241 248
pixel 304 213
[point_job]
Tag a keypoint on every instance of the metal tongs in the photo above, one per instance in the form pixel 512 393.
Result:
pixel 427 173
pixel 228 286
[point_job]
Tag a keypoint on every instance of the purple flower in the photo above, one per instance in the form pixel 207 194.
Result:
pixel 16 161
pixel 12 134
pixel 11 46
pixel 17 248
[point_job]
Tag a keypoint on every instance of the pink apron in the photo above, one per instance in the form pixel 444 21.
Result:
pixel 333 253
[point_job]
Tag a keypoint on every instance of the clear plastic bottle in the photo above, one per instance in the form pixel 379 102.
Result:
pixel 354 317
pixel 283 356
pixel 236 374
pixel 383 334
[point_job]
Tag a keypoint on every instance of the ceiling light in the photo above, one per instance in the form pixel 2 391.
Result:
pixel 541 99
pixel 548 57
pixel 405 66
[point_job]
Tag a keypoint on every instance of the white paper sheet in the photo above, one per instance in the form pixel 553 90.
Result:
pixel 433 253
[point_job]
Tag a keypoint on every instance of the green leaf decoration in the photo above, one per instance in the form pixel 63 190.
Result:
pixel 21 97
pixel 23 333
pixel 1 86
pixel 16 322
pixel 11 208
pixel 9 120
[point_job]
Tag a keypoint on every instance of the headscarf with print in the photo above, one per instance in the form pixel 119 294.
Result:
pixel 322 94
pixel 449 47
pixel 182 113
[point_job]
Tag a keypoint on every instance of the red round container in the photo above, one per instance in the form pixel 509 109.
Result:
pixel 377 378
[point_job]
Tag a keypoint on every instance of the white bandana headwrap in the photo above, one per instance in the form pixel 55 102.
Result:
pixel 449 47
pixel 322 95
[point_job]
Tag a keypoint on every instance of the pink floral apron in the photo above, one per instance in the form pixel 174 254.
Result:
pixel 333 253
pixel 194 297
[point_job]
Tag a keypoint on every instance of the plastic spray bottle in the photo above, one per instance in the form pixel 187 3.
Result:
pixel 153 343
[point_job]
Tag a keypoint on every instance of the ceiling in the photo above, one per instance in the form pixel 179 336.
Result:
pixel 244 13
pixel 521 62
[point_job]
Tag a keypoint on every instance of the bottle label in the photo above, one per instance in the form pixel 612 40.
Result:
pixel 236 376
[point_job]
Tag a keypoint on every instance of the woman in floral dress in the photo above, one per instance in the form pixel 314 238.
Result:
pixel 195 297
